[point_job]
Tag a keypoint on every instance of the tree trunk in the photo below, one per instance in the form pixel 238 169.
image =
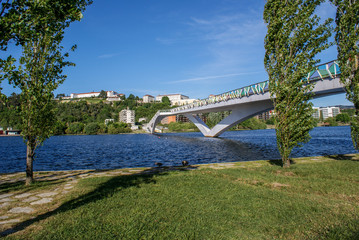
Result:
pixel 29 163
pixel 286 163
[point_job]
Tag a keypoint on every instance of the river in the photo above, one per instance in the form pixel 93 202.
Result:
pixel 143 150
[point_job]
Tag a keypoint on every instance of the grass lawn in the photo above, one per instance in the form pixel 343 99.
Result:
pixel 316 198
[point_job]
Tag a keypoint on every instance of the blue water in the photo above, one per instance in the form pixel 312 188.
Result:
pixel 143 150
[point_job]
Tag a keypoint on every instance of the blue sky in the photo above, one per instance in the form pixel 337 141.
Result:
pixel 192 47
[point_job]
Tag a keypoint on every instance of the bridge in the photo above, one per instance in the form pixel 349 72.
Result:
pixel 248 101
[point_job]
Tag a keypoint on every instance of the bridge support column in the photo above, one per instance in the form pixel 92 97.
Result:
pixel 199 123
pixel 239 115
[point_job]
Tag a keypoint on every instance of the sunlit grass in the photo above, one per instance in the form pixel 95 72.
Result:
pixel 310 200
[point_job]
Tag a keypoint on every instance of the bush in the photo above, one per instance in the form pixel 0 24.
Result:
pixel 91 128
pixel 75 128
pixel 253 124
pixel 343 117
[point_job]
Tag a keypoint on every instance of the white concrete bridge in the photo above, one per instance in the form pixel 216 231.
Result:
pixel 248 101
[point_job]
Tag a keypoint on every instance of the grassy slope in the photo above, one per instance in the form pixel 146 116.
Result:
pixel 317 199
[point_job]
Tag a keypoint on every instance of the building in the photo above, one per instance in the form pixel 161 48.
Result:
pixel 316 113
pixel 328 112
pixel 148 99
pixel 107 121
pixel 168 120
pixel 127 116
pixel 264 116
pixel 172 97
pixel 109 94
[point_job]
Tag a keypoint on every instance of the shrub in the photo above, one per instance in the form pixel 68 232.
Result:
pixel 91 128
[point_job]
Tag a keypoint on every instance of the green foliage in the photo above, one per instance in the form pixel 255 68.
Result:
pixel 253 124
pixel 116 128
pixel 293 39
pixel 271 121
pixel 103 94
pixel 214 118
pixel 343 117
pixel 180 126
pixel 166 100
pixel 91 128
pixel 332 121
pixel 38 26
pixel 75 128
pixel 347 40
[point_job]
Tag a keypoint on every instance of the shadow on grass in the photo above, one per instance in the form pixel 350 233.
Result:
pixel 278 162
pixel 41 180
pixel 342 157
pixel 113 185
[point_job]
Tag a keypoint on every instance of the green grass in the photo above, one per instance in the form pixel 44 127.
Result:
pixel 316 200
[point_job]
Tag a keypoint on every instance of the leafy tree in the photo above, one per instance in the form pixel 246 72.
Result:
pixel 166 100
pixel 39 70
pixel 332 121
pixel 293 39
pixel 75 128
pixel 60 95
pixel 103 94
pixel 347 39
pixel 253 124
pixel 91 128
pixel 131 97
pixel 343 117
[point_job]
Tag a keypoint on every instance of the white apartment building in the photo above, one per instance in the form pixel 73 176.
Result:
pixel 127 116
pixel 93 94
pixel 316 113
pixel 148 98
pixel 172 97
pixel 326 112
pixel 330 112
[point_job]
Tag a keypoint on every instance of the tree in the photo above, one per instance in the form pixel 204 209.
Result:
pixel 39 70
pixel 343 117
pixel 347 40
pixel 166 100
pixel 103 94
pixel 293 39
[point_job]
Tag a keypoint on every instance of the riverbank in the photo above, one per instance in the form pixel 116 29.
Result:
pixel 317 198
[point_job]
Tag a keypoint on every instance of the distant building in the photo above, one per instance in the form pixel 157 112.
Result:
pixel 328 112
pixel 265 115
pixel 127 116
pixel 109 94
pixel 148 99
pixel 142 119
pixel 168 120
pixel 107 121
pixel 172 97
pixel 316 113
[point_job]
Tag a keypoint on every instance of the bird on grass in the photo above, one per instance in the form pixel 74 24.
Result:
pixel 158 164
pixel 184 163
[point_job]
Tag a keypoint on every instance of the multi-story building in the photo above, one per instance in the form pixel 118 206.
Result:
pixel 329 112
pixel 148 99
pixel 172 97
pixel 316 113
pixel 168 120
pixel 127 116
